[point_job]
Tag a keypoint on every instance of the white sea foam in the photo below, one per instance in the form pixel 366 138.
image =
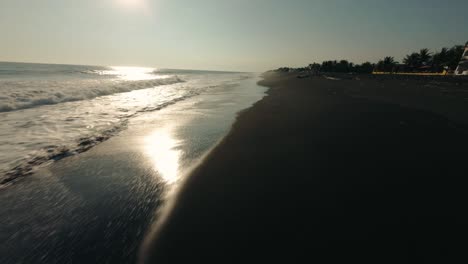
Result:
pixel 48 112
pixel 30 93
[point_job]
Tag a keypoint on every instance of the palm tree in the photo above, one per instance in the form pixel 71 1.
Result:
pixel 389 63
pixel 454 55
pixel 412 60
pixel 424 56
pixel 314 68
pixel 342 66
pixel 439 60
pixel 328 66
pixel 366 67
pixel 389 60
pixel 386 65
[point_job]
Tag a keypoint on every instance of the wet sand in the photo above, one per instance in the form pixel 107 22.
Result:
pixel 96 207
pixel 326 171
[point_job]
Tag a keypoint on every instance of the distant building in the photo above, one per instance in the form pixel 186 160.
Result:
pixel 462 68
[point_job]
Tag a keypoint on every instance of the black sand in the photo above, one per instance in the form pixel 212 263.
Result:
pixel 311 174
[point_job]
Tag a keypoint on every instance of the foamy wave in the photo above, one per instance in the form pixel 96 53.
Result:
pixel 35 137
pixel 55 153
pixel 27 94
pixel 34 160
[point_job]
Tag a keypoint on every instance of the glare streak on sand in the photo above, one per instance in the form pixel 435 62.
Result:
pixel 161 148
pixel 57 111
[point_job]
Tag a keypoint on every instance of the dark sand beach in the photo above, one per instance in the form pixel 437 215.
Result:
pixel 330 171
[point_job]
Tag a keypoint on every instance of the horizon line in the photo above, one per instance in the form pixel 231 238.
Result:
pixel 97 65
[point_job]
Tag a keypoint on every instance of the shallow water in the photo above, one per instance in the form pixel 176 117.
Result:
pixel 96 207
pixel 52 111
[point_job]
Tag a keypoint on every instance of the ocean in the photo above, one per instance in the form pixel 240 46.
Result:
pixel 89 154
pixel 49 111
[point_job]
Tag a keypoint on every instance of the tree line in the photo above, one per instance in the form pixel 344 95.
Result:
pixel 421 61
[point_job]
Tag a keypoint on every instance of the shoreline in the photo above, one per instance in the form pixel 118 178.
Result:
pixel 96 207
pixel 310 171
pixel 77 137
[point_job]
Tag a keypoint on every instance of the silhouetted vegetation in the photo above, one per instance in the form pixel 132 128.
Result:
pixel 388 64
pixel 342 66
pixel 422 61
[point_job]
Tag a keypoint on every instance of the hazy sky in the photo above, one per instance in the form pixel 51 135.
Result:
pixel 249 35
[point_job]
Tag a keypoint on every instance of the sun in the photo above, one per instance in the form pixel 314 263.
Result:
pixel 132 4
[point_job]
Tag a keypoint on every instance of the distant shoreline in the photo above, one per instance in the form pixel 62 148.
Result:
pixel 97 65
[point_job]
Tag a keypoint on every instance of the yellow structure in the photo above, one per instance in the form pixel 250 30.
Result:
pixel 413 73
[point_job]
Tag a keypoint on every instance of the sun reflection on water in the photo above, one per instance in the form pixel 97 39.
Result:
pixel 133 73
pixel 161 148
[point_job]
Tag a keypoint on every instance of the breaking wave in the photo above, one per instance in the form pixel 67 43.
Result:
pixel 51 153
pixel 87 105
pixel 28 94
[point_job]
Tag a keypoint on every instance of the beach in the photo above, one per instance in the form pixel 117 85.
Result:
pixel 329 170
pixel 96 204
pixel 265 131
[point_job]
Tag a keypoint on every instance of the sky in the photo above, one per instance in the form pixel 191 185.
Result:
pixel 237 35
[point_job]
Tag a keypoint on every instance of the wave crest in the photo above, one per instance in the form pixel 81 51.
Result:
pixel 28 94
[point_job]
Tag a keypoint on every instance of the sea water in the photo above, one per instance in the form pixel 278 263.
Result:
pixel 50 111
pixel 152 126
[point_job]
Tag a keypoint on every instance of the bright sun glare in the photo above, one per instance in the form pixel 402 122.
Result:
pixel 133 73
pixel 132 4
pixel 161 148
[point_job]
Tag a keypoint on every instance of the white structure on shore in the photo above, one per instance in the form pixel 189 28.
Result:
pixel 462 68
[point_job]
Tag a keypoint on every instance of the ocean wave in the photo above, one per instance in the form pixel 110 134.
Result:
pixel 54 153
pixel 44 135
pixel 51 153
pixel 28 94
pixel 12 69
